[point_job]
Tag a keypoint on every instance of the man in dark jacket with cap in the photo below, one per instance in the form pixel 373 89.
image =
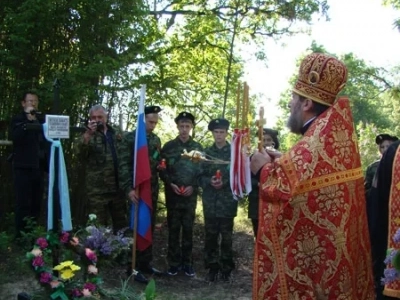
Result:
pixel 180 177
pixel 219 207
pixel 383 141
pixel 29 161
pixel 144 258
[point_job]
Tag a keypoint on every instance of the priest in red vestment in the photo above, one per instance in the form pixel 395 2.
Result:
pixel 312 240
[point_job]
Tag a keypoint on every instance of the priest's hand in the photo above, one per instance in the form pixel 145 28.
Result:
pixel 273 153
pixel 258 160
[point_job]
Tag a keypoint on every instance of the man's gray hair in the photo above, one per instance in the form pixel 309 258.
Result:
pixel 96 108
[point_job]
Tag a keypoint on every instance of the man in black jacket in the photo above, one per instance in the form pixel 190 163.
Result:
pixel 29 161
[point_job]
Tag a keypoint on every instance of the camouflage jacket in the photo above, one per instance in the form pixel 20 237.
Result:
pixel 101 170
pixel 369 176
pixel 126 160
pixel 180 171
pixel 217 203
pixel 253 199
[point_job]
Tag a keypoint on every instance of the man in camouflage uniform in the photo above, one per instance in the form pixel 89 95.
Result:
pixel 270 139
pixel 143 258
pixel 181 190
pixel 98 148
pixel 219 207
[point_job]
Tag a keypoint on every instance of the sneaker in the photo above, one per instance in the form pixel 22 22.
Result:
pixel 148 269
pixel 189 271
pixel 173 270
pixel 212 275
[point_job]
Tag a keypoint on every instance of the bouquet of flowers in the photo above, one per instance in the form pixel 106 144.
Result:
pixel 392 261
pixel 77 275
pixel 62 278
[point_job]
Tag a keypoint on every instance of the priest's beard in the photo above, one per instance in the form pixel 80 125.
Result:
pixel 295 121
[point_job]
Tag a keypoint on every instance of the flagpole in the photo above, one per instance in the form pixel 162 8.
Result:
pixel 134 234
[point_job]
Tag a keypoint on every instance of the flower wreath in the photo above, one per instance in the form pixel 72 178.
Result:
pixel 65 285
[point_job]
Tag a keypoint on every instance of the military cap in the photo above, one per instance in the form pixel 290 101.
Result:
pixel 321 78
pixel 380 138
pixel 184 116
pixel 218 124
pixel 152 110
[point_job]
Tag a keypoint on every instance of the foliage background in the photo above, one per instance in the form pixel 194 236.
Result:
pixel 188 53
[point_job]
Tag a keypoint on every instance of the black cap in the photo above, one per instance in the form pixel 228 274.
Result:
pixel 218 124
pixel 380 138
pixel 152 110
pixel 184 116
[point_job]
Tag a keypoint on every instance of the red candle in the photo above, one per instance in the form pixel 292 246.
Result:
pixel 182 189
pixel 163 164
pixel 218 174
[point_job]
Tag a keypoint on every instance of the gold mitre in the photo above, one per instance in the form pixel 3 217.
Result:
pixel 321 78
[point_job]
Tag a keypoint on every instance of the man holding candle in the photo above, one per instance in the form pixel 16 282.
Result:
pixel 181 189
pixel 219 207
pixel 312 240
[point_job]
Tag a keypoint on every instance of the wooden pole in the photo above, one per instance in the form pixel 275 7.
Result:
pixel 135 222
pixel 237 105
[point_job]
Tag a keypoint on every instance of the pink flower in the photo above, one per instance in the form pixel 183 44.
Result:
pixel 76 293
pixel 90 254
pixel 89 286
pixel 38 261
pixel 42 242
pixel 86 293
pixel 45 277
pixel 64 237
pixel 54 284
pixel 36 252
pixel 74 241
pixel 92 270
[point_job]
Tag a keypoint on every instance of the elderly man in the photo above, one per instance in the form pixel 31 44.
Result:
pixel 313 240
pixel 98 149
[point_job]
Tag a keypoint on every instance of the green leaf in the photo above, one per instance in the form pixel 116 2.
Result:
pixel 150 290
pixel 59 293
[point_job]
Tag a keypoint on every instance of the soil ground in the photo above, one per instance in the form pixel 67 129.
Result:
pixel 15 279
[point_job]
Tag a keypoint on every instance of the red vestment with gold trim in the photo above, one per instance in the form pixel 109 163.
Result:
pixel 393 289
pixel 313 238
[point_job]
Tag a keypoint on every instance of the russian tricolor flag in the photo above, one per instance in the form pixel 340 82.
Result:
pixel 142 180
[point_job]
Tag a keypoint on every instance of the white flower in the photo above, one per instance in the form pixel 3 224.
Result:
pixel 90 229
pixel 92 217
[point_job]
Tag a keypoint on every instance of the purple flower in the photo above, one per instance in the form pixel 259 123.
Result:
pixel 76 293
pixel 38 261
pixel 45 277
pixel 89 286
pixel 390 256
pixel 396 237
pixel 64 237
pixel 390 275
pixel 42 242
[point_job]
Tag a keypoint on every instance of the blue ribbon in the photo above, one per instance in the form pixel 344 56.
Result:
pixel 62 186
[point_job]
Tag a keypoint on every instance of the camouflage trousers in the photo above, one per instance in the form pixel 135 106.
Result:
pixel 218 255
pixel 110 209
pixel 180 251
